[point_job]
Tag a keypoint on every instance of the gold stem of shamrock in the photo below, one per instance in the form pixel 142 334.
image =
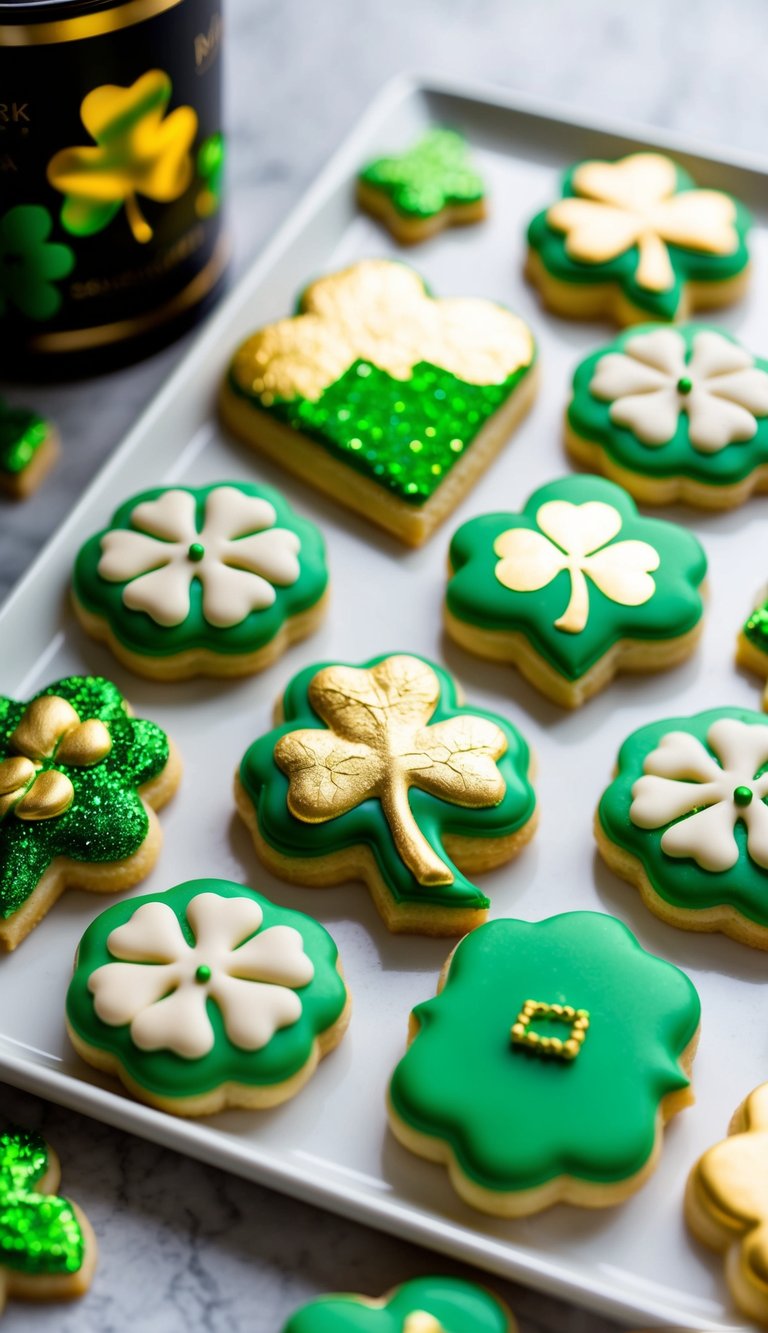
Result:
pixel 420 858
pixel 138 224
pixel 421 1322
pixel 576 613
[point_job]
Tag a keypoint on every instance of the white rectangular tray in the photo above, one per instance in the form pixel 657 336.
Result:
pixel 331 1145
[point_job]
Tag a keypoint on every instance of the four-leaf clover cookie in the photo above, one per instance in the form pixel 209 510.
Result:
pixel 636 239
pixel 30 263
pixel 206 996
pixel 384 397
pixel 686 821
pixel 431 186
pixel 28 447
pixel 673 414
pixel 47 1247
pixel 574 588
pixel 379 773
pixel 726 1206
pixel 80 780
pixel 216 581
pixel 490 1085
pixel 424 1305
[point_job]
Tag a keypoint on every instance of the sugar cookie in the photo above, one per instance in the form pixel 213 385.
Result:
pixel 424 1305
pixel 431 186
pixel 29 446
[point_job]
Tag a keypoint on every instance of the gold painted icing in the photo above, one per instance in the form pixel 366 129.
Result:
pixel 50 729
pixel 563 1048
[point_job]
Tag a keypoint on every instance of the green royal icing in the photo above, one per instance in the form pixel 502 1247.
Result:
pixel 40 1235
pixel 22 432
pixel 106 821
pixel 515 1121
pixel 267 787
pixel 475 594
pixel 681 882
pixel 590 417
pixel 756 627
pixel 169 1075
pixel 687 265
pixel 459 1307
pixel 435 174
pixel 136 629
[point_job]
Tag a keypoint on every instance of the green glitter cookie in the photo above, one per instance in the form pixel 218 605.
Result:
pixel 47 1248
pixel 431 186
pixel 28 448
pixel 752 643
pixel 80 780
pixel 382 396
pixel 424 1305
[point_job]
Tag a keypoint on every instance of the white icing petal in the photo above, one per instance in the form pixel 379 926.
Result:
pixel 742 748
pixel 662 349
pixel 125 553
pixel 179 1023
pixel 222 923
pixel 152 935
pixel 230 513
pixel 616 375
pixel 163 594
pixel 275 955
pixel 254 1011
pixel 122 990
pixel 712 354
pixel 755 816
pixel 748 388
pixel 652 417
pixel 657 801
pixel 681 755
pixel 171 516
pixel 272 554
pixel 714 422
pixel 706 837
pixel 230 595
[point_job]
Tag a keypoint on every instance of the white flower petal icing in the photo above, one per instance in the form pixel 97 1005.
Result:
pixel 179 1023
pixel 275 955
pixel 706 837
pixel 223 923
pixel 254 1012
pixel 122 990
pixel 152 935
pixel 238 555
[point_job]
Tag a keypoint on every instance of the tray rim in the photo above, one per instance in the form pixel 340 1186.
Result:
pixel 388 1214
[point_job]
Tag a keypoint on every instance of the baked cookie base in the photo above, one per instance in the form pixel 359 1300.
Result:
pixel 308 460
pixel 628 655
pixel 561 1189
pixel 678 489
pixel 410 230
pixel 59 1286
pixel 227 1095
pixel 750 657
pixel 19 485
pixel 470 855
pixel 606 300
pixel 723 918
pixel 201 661
pixel 97 877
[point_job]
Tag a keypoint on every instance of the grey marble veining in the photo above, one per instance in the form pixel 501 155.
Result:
pixel 183 1246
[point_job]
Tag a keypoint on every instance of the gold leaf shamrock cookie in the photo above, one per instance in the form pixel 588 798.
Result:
pixel 382 396
pixel 726 1204
pixel 637 239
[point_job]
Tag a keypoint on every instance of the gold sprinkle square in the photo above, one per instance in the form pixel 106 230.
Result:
pixel 559 1048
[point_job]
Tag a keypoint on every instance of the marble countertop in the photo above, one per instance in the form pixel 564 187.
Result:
pixel 184 1246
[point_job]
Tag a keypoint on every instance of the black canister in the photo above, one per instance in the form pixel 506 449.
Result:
pixel 111 175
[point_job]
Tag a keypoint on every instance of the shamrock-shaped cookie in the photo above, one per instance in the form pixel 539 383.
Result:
pixel 139 150
pixel 686 821
pixel 206 996
pixel 637 239
pixel 424 1305
pixel 431 186
pixel 215 581
pixel 47 1248
pixel 673 414
pixel 492 1087
pixel 80 780
pixel 28 447
pixel 575 588
pixel 30 263
pixel 389 400
pixel 726 1206
pixel 379 773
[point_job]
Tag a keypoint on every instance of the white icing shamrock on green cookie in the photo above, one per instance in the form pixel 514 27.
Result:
pixel 237 555
pixel 650 383
pixel 161 984
pixel 703 797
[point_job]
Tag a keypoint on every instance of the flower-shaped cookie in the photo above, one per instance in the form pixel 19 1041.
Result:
pixel 47 1248
pixel 519 1127
pixel 686 820
pixel 431 186
pixel 378 772
pixel 726 1206
pixel 206 996
pixel 214 580
pixel 560 588
pixel 79 778
pixel 673 414
pixel 637 237
pixel 377 392
pixel 424 1305
pixel 30 263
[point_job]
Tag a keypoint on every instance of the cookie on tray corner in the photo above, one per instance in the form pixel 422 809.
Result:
pixel 431 186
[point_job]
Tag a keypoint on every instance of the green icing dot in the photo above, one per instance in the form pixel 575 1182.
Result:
pixel 196 552
pixel 742 795
pixel 203 973
pixel 684 384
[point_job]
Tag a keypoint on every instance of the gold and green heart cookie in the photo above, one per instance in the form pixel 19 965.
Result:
pixel 423 1305
pixel 686 821
pixel 381 773
pixel 384 397
pixel 673 414
pixel 29 446
pixel 216 580
pixel 207 996
pixel 80 781
pixel 636 239
pixel 431 186
pixel 47 1247
pixel 547 1065
pixel 575 588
